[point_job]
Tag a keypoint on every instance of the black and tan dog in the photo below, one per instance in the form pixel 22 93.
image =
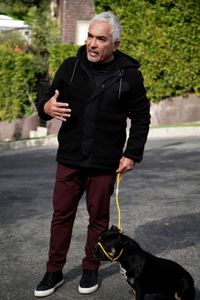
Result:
pixel 146 273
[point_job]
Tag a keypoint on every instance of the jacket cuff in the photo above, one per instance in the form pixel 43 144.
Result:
pixel 42 113
pixel 136 158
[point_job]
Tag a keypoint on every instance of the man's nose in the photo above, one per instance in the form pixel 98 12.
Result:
pixel 93 43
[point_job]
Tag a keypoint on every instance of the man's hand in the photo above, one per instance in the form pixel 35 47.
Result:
pixel 125 165
pixel 57 110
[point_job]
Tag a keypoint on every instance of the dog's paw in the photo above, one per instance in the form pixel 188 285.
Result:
pixel 122 271
pixel 177 297
pixel 132 293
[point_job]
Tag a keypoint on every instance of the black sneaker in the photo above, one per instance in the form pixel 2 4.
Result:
pixel 50 282
pixel 89 282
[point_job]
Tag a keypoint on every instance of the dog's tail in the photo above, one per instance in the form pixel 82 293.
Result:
pixel 186 289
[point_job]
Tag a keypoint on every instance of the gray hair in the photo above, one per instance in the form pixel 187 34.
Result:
pixel 111 19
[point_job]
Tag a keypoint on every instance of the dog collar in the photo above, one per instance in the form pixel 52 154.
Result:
pixel 107 255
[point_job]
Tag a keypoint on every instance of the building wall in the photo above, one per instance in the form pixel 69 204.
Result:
pixel 69 12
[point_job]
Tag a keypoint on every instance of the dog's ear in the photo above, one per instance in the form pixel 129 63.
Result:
pixel 131 244
pixel 114 228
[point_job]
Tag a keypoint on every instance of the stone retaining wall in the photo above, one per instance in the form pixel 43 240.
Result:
pixel 19 128
pixel 169 111
pixel 176 110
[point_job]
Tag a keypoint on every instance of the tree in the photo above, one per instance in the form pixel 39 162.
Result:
pixel 19 8
pixel 45 33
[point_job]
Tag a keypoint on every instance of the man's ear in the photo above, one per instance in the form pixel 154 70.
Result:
pixel 116 45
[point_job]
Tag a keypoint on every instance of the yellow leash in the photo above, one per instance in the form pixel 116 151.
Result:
pixel 108 256
pixel 119 178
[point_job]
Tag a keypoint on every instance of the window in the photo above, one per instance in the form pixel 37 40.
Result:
pixel 81 32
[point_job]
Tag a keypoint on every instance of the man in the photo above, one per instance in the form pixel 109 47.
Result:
pixel 93 94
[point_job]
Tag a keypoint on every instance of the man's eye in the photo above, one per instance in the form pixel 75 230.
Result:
pixel 102 39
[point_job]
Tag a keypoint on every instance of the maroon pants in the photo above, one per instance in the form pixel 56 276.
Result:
pixel 69 187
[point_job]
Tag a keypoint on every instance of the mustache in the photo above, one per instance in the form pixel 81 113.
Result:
pixel 92 50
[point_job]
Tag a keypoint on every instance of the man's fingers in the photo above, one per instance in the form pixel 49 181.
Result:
pixel 58 104
pixel 65 112
pixel 125 165
pixel 56 94
pixel 61 104
pixel 58 110
pixel 60 118
pixel 120 170
pixel 123 170
pixel 57 114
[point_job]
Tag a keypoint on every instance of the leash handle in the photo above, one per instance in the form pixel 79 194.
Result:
pixel 119 178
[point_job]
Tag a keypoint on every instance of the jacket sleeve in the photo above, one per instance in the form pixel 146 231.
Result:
pixel 139 114
pixel 57 84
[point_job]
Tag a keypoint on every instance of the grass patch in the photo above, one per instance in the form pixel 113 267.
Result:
pixel 193 124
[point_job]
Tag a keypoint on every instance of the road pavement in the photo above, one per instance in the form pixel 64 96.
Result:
pixel 160 208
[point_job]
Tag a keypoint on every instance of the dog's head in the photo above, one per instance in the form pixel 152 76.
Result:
pixel 110 244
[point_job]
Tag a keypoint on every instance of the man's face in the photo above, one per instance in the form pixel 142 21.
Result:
pixel 99 44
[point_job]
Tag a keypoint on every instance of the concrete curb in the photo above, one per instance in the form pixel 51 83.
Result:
pixel 30 143
pixel 166 132
pixel 173 132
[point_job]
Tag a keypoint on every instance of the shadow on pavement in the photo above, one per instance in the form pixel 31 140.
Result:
pixel 170 233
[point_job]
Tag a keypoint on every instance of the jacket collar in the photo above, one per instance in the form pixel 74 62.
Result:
pixel 123 61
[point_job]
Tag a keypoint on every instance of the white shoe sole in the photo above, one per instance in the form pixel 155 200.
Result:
pixel 48 292
pixel 88 290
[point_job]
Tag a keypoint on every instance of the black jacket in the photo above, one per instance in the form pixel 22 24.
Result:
pixel 95 134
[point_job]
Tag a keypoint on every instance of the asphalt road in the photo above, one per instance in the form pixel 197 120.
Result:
pixel 160 208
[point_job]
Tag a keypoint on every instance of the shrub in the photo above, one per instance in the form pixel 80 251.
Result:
pixel 23 64
pixel 57 55
pixel 18 72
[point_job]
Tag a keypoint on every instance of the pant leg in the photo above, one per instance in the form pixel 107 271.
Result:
pixel 99 188
pixel 67 193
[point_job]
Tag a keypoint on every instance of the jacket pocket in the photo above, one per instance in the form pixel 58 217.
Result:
pixel 116 95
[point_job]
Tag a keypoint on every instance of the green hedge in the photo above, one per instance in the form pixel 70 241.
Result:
pixel 164 35
pixel 58 53
pixel 18 75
